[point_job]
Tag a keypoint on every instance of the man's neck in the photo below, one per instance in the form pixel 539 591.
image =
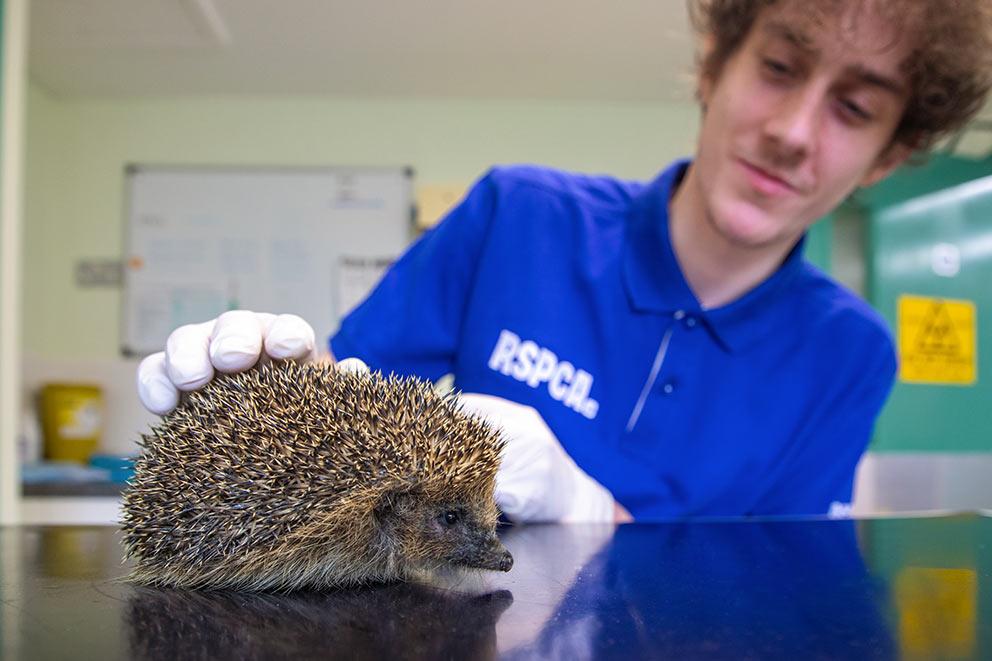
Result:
pixel 717 270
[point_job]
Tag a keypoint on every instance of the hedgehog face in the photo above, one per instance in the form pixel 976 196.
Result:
pixel 452 532
pixel 456 529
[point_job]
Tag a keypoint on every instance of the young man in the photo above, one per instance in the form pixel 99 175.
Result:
pixel 668 350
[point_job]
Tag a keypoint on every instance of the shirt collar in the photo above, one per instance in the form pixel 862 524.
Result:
pixel 654 281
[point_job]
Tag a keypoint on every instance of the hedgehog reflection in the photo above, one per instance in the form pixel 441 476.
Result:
pixel 409 620
pixel 295 476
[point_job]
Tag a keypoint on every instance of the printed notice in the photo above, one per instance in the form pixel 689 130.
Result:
pixel 937 341
pixel 357 277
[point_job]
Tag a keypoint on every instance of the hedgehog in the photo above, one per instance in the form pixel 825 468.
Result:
pixel 296 476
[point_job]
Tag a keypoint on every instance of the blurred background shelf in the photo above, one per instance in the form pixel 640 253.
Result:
pixel 83 489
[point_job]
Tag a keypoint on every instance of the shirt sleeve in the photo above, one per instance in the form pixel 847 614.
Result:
pixel 411 322
pixel 818 468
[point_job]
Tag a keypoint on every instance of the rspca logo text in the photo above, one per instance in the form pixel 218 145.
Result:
pixel 534 365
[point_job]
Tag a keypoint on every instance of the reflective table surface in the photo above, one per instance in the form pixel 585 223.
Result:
pixel 872 589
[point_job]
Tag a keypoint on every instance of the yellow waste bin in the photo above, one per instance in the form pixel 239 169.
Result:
pixel 71 420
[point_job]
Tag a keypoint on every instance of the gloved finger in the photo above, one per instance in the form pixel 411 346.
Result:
pixel 524 430
pixel 503 412
pixel 187 358
pixel 156 390
pixel 518 505
pixel 524 479
pixel 353 365
pixel 510 504
pixel 290 337
pixel 522 497
pixel 236 342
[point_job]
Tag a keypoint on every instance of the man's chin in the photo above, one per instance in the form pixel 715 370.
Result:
pixel 747 227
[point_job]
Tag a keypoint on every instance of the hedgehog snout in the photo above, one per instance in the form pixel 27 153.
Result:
pixel 489 553
pixel 506 562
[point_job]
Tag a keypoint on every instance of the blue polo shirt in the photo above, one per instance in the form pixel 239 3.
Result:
pixel 562 292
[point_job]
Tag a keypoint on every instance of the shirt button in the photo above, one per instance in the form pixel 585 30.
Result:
pixel 690 322
pixel 668 388
pixel 679 314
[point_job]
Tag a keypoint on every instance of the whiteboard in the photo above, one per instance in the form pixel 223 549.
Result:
pixel 203 240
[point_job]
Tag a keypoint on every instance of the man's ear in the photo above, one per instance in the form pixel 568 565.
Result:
pixel 892 157
pixel 704 79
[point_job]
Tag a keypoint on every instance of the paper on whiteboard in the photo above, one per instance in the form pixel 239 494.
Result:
pixel 357 276
pixel 306 241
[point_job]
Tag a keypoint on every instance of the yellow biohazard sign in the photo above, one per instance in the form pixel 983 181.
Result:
pixel 936 340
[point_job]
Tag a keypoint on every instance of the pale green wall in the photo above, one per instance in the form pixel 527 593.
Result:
pixel 77 149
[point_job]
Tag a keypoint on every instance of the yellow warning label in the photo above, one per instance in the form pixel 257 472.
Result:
pixel 936 340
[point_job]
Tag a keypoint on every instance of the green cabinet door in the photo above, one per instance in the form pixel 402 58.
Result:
pixel 936 245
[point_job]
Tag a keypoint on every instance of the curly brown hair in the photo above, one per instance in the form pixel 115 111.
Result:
pixel 949 67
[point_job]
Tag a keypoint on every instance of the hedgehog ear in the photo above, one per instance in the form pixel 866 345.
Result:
pixel 394 503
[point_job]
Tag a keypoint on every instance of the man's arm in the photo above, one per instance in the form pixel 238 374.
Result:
pixel 816 474
pixel 411 323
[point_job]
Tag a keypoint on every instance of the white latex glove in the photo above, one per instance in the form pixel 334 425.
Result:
pixel 537 481
pixel 355 365
pixel 232 342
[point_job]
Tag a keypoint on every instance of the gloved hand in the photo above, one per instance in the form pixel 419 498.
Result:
pixel 232 342
pixel 537 480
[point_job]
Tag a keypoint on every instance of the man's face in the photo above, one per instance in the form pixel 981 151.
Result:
pixel 801 114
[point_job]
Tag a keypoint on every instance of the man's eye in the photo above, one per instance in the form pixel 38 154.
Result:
pixel 451 517
pixel 776 68
pixel 855 111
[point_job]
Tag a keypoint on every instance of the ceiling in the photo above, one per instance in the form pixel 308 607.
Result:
pixel 634 50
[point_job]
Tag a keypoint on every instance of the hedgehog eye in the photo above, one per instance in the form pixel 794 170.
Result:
pixel 451 517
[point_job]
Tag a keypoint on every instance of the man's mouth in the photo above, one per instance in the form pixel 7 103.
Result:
pixel 765 181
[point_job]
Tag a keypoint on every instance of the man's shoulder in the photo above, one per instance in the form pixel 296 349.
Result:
pixel 841 315
pixel 589 190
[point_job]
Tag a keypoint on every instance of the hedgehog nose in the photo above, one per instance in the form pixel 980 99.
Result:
pixel 506 562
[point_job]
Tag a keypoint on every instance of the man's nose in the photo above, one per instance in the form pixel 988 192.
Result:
pixel 794 125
